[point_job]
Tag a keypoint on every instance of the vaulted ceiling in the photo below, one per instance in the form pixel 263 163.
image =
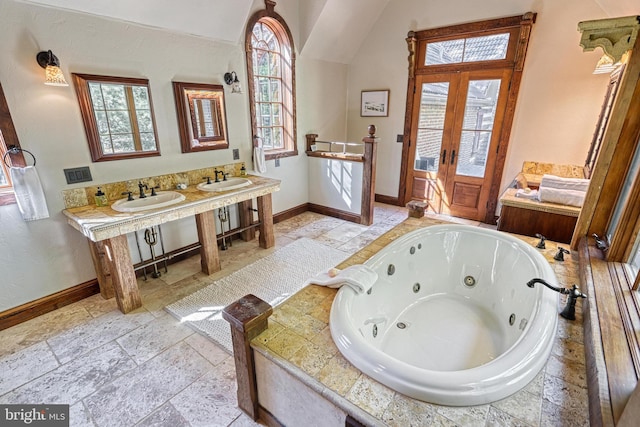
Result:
pixel 331 30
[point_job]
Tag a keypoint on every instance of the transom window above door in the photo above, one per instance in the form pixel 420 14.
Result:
pixel 473 49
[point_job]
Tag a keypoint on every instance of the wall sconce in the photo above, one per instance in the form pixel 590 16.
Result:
pixel 52 73
pixel 232 79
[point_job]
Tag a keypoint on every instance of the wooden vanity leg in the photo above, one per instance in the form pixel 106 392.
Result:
pixel 122 275
pixel 246 219
pixel 265 216
pixel 102 269
pixel 209 258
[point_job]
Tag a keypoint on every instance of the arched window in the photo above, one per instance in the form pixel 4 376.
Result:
pixel 271 71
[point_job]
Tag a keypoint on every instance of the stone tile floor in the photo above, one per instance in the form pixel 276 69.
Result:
pixel 147 369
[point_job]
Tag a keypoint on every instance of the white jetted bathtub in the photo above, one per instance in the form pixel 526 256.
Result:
pixel 450 319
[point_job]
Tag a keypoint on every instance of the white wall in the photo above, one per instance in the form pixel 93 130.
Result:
pixel 43 257
pixel 336 184
pixel 559 98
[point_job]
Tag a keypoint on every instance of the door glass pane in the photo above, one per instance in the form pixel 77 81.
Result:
pixel 433 106
pixel 477 125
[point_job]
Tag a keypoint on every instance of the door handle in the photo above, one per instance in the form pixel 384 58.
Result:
pixel 444 156
pixel 453 156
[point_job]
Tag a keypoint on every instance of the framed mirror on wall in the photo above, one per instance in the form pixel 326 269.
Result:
pixel 202 118
pixel 117 113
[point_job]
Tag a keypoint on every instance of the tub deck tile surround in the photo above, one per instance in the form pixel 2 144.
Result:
pixel 557 396
pixel 337 376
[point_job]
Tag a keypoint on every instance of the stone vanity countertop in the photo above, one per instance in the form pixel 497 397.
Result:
pixel 100 223
pixel 298 339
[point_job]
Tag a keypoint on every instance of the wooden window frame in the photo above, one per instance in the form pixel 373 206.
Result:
pixel 81 83
pixel 278 25
pixel 9 139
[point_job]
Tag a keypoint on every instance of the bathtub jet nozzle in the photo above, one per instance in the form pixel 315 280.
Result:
pixel 569 311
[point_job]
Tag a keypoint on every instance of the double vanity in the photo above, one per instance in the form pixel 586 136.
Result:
pixel 106 227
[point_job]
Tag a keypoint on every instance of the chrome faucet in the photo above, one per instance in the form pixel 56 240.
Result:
pixel 573 294
pixel 142 186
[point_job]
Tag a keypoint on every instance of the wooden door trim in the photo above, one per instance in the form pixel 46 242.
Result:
pixel 526 22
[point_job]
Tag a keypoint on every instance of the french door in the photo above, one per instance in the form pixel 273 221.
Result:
pixel 457 121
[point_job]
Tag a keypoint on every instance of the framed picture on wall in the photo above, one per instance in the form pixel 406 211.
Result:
pixel 374 103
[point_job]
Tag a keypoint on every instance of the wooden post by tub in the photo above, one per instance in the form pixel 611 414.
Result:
pixel 209 257
pixel 368 177
pixel 248 319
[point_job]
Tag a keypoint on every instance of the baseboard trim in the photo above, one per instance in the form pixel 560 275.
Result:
pixel 290 213
pixel 389 200
pixel 336 213
pixel 43 305
pixel 33 309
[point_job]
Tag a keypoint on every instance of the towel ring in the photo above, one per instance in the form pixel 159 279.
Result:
pixel 15 150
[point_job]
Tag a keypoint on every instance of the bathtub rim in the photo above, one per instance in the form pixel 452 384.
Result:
pixel 479 385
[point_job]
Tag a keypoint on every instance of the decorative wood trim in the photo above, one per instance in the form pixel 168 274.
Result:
pixel 43 305
pixel 10 138
pixel 412 41
pixel 597 380
pixel 349 157
pixel 248 319
pixel 389 200
pixel 290 213
pixel 611 341
pixel 336 213
pixel 528 19
pixel 615 36
pixel 616 152
pixel 520 25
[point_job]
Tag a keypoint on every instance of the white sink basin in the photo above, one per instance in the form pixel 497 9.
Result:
pixel 161 199
pixel 229 184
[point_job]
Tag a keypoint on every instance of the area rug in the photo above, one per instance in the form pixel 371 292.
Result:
pixel 273 278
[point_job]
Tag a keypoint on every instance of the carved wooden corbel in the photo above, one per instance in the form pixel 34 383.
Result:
pixel 615 36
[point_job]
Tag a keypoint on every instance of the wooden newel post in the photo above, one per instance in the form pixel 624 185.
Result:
pixel 248 319
pixel 368 177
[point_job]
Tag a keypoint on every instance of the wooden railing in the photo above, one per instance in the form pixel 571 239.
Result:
pixel 365 153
